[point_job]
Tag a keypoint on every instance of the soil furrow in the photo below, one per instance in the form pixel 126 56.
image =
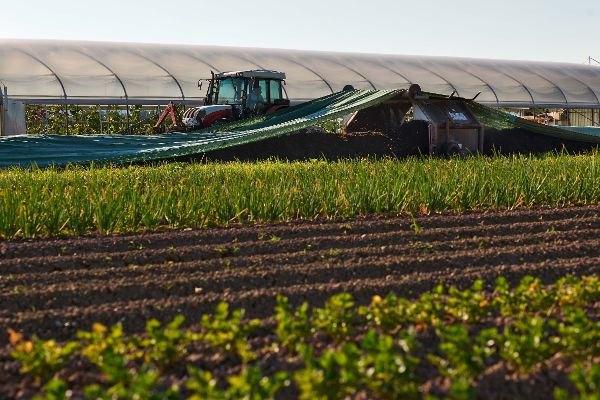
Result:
pixel 307 229
pixel 113 279
pixel 254 248
pixel 42 281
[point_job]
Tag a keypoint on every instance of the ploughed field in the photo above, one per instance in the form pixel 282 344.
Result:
pixel 54 287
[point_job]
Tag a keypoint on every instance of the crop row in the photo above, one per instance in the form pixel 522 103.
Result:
pixel 75 201
pixel 382 350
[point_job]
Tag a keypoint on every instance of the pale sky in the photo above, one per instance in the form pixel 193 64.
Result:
pixel 546 30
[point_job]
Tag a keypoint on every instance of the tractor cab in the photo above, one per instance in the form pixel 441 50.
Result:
pixel 254 90
pixel 237 95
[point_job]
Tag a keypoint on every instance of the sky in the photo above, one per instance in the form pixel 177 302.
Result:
pixel 548 30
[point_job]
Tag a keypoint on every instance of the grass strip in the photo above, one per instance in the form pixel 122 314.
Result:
pixel 42 202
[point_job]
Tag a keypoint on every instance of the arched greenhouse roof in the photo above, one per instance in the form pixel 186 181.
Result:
pixel 42 71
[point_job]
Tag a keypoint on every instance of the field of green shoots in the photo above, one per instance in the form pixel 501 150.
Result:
pixel 76 200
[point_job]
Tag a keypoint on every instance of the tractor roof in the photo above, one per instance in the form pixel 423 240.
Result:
pixel 254 73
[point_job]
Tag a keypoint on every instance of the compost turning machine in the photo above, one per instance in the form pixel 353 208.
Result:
pixel 237 95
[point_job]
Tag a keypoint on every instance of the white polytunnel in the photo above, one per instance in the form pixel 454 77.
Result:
pixel 56 72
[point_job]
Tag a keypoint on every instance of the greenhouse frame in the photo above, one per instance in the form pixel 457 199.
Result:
pixel 74 72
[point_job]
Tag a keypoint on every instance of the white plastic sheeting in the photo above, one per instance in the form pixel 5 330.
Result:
pixel 119 73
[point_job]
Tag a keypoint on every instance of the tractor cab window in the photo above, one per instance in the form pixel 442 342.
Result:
pixel 257 94
pixel 230 91
pixel 275 90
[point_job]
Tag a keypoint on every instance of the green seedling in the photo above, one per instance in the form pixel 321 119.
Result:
pixel 586 382
pixel 387 368
pixel 461 358
pixel 335 375
pixel 293 328
pixel 55 389
pixel 579 337
pixel 529 341
pixel 468 305
pixel 390 314
pixel 338 318
pixel 41 358
pixel 225 331
pixel 166 346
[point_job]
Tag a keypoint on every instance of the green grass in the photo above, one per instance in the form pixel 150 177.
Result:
pixel 108 199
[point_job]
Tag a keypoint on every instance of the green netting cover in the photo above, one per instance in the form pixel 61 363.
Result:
pixel 44 150
pixel 493 118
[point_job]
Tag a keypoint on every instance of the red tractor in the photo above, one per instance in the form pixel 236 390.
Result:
pixel 232 96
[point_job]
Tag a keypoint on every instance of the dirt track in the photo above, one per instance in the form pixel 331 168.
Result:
pixel 54 287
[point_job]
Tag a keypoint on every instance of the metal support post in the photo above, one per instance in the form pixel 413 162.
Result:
pixel 128 124
pixel 67 118
pixel 3 104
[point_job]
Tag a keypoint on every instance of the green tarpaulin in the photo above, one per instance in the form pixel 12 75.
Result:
pixel 44 150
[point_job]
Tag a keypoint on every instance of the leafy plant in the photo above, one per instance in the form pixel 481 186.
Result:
pixel 389 314
pixel 587 384
pixel 250 384
pixel 225 331
pixel 579 337
pixel 528 341
pixel 203 386
pixel 334 375
pixel 106 348
pixel 463 359
pixel 530 296
pixel 164 347
pixel 387 368
pixel 55 389
pixel 41 358
pixel 293 328
pixel 576 291
pixel 131 385
pixel 468 305
pixel 337 318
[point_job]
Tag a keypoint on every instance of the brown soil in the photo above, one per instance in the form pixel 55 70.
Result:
pixel 54 287
pixel 408 140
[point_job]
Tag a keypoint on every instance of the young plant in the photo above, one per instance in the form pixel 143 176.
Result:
pixel 576 291
pixel 164 347
pixel 528 341
pixel 587 384
pixel 387 368
pixel 529 297
pixel 104 347
pixel 390 314
pixel 463 359
pixel 292 328
pixel 132 385
pixel 338 318
pixel 250 384
pixel 468 305
pixel 579 337
pixel 41 358
pixel 55 389
pixel 203 386
pixel 430 308
pixel 335 375
pixel 225 331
